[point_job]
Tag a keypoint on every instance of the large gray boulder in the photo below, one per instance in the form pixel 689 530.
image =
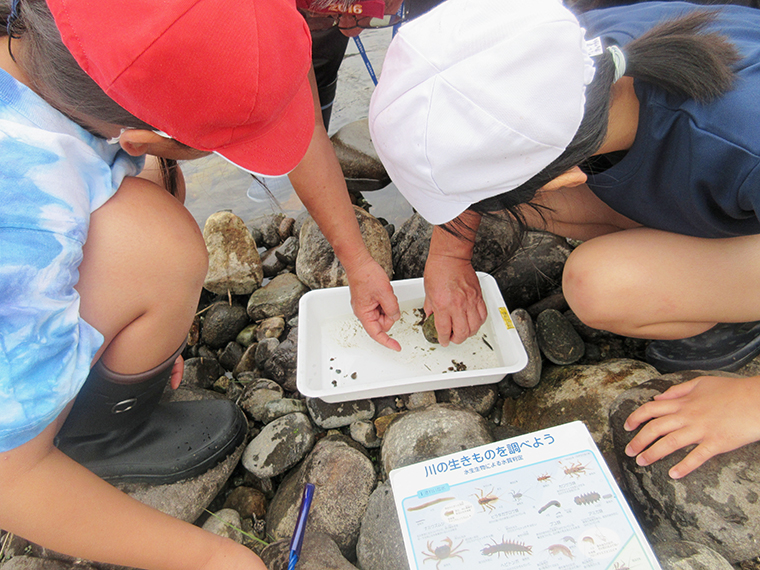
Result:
pixel 716 505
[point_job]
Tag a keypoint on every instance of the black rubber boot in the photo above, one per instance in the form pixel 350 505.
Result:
pixel 726 346
pixel 118 429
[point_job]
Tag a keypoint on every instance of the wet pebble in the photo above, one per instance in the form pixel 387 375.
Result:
pixel 557 338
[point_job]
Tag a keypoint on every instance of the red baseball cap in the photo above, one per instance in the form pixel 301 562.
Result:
pixel 217 75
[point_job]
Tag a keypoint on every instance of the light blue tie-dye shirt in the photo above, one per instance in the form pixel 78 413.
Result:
pixel 53 174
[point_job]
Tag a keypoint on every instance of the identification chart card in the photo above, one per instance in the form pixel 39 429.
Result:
pixel 545 501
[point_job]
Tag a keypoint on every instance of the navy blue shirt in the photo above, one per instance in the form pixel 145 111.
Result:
pixel 693 168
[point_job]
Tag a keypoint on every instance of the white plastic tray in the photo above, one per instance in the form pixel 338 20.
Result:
pixel 338 361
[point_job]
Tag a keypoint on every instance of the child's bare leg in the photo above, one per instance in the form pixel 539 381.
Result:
pixel 652 284
pixel 142 273
pixel 655 284
pixel 140 281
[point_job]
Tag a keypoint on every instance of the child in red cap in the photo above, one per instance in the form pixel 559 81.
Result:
pixel 101 270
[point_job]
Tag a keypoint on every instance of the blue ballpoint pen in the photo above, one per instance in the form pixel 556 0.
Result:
pixel 303 513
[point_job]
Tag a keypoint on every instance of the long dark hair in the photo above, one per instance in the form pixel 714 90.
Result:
pixel 56 76
pixel 676 55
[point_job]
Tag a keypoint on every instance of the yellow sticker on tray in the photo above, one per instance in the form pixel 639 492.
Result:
pixel 506 317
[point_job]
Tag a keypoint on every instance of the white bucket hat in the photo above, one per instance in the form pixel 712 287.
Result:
pixel 476 97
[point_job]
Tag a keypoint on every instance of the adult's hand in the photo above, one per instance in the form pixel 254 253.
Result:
pixel 452 289
pixel 374 302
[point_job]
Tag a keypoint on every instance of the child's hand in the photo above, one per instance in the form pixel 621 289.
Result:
pixel 719 414
pixel 177 371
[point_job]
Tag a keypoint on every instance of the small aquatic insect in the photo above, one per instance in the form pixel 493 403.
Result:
pixel 543 478
pixel 557 549
pixel 549 504
pixel 429 504
pixel 486 500
pixel 587 498
pixel 575 469
pixel 506 547
pixel 443 552
pixel 518 495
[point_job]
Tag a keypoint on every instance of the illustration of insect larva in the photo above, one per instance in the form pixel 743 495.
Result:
pixel 556 549
pixel 544 477
pixel 549 504
pixel 486 500
pixel 587 498
pixel 506 547
pixel 575 469
pixel 429 504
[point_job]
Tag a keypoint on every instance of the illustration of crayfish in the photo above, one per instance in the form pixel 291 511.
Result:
pixel 443 552
pixel 486 500
pixel 506 547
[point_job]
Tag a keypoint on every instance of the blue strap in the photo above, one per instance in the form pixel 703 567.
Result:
pixel 363 52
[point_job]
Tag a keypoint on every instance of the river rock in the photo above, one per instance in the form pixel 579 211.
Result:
pixel 344 479
pixel 281 365
pixel 271 265
pixel 358 159
pixel 570 393
pixel 319 552
pixel 187 499
pixel 685 555
pixel 557 339
pixel 494 244
pixel 264 351
pixel 247 501
pixel 266 229
pixel 285 229
pixel 282 407
pixel 287 252
pixel 716 505
pixel 279 297
pixel 529 376
pixel 363 432
pixel 480 399
pixel 226 523
pixel 534 271
pixel 318 267
pixel 417 400
pixel 222 323
pixel 247 363
pixel 335 415
pixel 247 336
pixel 432 432
pixel 280 445
pixel 34 563
pixel 231 355
pixel 201 372
pixel 256 395
pixel 272 327
pixel 604 345
pixel 234 261
pixel 381 544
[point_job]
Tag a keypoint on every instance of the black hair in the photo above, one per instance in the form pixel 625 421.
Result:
pixel 56 76
pixel 676 55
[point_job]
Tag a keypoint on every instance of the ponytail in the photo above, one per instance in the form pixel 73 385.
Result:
pixel 677 56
